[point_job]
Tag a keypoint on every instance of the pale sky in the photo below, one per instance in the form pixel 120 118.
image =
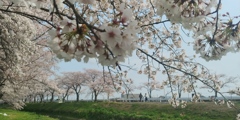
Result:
pixel 229 64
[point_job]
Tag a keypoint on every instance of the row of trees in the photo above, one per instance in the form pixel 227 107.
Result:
pixel 97 82
pixel 94 82
pixel 24 60
pixel 69 83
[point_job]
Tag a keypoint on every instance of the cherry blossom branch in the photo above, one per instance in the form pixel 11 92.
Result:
pixel 32 17
pixel 60 13
pixel 170 84
pixel 156 23
pixel 217 17
pixel 57 10
pixel 186 73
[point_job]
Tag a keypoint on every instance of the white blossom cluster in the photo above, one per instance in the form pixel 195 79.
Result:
pixel 214 37
pixel 185 11
pixel 238 116
pixel 113 45
pixel 22 63
pixel 16 34
pixel 122 83
pixel 176 103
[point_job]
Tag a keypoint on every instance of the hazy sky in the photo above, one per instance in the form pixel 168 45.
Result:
pixel 229 64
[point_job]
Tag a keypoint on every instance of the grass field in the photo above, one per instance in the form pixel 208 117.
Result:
pixel 8 114
pixel 132 111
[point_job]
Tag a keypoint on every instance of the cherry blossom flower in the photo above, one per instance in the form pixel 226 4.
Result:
pixel 112 36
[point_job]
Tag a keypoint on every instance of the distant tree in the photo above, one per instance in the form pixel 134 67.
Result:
pixel 221 81
pixel 53 89
pixel 150 86
pixel 75 80
pixel 66 87
pixel 128 86
pixel 109 84
pixel 95 82
pixel 182 84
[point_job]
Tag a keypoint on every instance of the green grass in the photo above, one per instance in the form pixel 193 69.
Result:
pixel 20 115
pixel 132 111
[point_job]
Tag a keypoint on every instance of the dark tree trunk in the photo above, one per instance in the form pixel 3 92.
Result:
pixel 77 95
pixel 52 97
pixel 34 99
pixel 1 96
pixel 179 95
pixel 41 98
pixel 63 98
pixel 179 91
pixel 95 96
pixel 215 93
pixel 65 95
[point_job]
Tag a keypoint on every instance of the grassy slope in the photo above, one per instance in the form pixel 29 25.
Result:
pixel 19 115
pixel 154 111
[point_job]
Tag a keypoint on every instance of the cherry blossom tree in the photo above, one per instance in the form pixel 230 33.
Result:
pixel 183 84
pixel 30 70
pixel 151 86
pixel 221 81
pixel 23 61
pixel 125 84
pixel 36 90
pixel 65 86
pixel 53 90
pixel 109 83
pixel 14 46
pixel 95 82
pixel 74 80
pixel 109 90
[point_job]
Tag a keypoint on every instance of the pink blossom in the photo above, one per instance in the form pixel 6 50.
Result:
pixel 112 36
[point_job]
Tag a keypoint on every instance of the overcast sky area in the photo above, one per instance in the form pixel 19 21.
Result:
pixel 229 64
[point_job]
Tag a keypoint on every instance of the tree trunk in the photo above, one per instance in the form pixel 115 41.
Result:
pixel 179 91
pixel 47 97
pixel 150 93
pixel 52 97
pixel 34 99
pixel 41 98
pixel 30 98
pixel 95 96
pixel 127 93
pixel 179 95
pixel 215 93
pixel 92 96
pixel 63 97
pixel 77 95
pixel 1 95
